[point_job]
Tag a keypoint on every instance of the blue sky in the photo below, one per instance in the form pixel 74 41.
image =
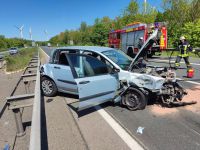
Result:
pixel 56 15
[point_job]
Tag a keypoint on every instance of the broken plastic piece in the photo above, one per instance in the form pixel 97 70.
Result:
pixel 140 130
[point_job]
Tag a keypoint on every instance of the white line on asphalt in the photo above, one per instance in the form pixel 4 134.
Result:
pixel 192 82
pixel 119 130
pixel 45 53
pixel 158 60
pixel 123 134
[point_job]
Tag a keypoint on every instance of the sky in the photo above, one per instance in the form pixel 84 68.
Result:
pixel 56 16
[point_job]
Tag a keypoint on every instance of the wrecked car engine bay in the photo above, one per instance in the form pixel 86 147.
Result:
pixel 152 83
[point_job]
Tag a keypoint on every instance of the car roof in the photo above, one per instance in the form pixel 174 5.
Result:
pixel 91 48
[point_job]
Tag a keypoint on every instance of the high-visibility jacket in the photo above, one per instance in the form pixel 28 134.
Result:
pixel 184 49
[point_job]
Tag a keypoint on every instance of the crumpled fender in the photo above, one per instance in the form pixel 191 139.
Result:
pixel 46 70
pixel 150 82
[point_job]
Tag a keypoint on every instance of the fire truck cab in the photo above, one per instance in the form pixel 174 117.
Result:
pixel 114 39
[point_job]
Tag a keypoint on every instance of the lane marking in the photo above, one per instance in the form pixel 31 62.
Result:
pixel 157 60
pixel 122 133
pixel 192 82
pixel 45 53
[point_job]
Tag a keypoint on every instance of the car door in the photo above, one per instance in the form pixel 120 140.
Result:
pixel 63 76
pixel 95 83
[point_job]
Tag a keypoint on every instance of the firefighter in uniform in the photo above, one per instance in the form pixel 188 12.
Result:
pixel 152 29
pixel 184 48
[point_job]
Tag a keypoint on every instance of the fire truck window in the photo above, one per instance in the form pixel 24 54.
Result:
pixel 118 35
pixel 131 39
pixel 138 34
pixel 114 35
pixel 124 41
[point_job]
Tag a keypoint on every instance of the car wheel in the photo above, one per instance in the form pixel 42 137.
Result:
pixel 48 86
pixel 135 99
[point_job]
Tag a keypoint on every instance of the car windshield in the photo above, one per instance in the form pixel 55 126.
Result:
pixel 13 48
pixel 119 57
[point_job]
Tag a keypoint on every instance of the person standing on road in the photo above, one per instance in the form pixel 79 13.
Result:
pixel 184 48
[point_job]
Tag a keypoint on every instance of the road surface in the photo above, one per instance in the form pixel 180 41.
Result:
pixel 164 128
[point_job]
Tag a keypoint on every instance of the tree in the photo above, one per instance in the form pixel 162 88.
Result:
pixel 160 17
pixel 99 35
pixel 83 26
pixel 194 10
pixel 191 30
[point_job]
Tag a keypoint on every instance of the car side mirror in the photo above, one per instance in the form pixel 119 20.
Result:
pixel 115 70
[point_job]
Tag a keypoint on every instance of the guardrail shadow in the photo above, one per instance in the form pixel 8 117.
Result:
pixel 44 139
pixel 73 101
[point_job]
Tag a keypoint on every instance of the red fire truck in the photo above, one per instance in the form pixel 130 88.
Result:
pixel 130 34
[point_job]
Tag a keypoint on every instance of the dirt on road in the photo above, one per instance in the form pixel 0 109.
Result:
pixel 193 95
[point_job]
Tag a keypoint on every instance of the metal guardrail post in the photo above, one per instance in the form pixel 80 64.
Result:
pixel 18 121
pixel 35 136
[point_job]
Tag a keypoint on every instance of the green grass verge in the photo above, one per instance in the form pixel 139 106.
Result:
pixel 20 60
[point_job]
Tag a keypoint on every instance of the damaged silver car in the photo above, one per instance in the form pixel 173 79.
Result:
pixel 101 74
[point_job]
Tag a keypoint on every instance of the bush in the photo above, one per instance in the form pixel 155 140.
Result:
pixel 20 60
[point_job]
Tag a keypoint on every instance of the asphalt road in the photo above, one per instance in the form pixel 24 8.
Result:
pixel 164 128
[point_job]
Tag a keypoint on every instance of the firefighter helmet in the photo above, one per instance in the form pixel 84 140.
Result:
pixel 182 38
pixel 152 27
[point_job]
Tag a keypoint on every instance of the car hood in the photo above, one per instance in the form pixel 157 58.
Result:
pixel 149 42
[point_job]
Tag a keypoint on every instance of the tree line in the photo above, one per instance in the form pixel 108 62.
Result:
pixel 182 17
pixel 6 43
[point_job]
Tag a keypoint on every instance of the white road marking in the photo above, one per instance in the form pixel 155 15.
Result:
pixel 44 52
pixel 123 134
pixel 158 60
pixel 193 82
pixel 119 130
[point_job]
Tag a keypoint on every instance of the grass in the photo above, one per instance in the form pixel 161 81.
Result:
pixel 20 60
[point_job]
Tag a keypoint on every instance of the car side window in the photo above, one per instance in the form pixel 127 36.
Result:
pixel 99 57
pixel 87 66
pixel 63 59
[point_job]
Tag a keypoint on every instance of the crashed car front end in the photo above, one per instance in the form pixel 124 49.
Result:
pixel 161 86
pixel 141 82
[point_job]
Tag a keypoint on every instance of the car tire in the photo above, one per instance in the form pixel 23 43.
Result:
pixel 135 99
pixel 48 87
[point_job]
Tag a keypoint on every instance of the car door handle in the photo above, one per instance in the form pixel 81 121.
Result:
pixel 57 67
pixel 84 82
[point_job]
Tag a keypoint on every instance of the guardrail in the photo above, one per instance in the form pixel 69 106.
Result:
pixel 35 136
pixel 16 102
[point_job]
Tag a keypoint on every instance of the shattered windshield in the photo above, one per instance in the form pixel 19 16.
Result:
pixel 118 57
